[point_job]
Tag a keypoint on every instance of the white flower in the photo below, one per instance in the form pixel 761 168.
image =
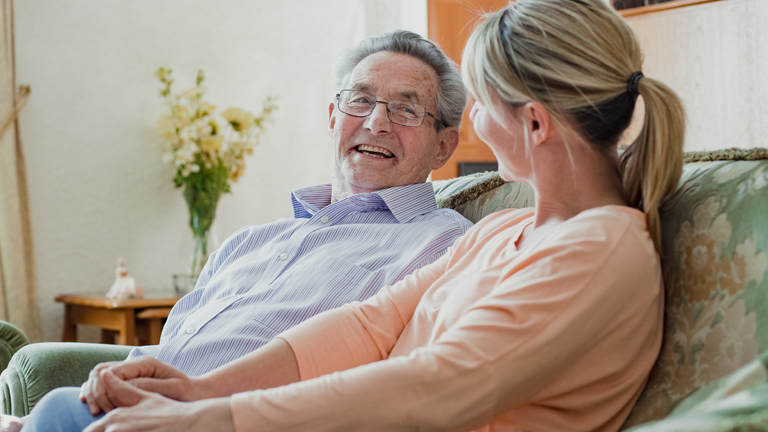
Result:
pixel 167 158
pixel 194 135
pixel 240 119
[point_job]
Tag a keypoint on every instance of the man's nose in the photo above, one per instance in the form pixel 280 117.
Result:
pixel 378 121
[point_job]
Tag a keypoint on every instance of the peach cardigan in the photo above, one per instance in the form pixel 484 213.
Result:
pixel 559 336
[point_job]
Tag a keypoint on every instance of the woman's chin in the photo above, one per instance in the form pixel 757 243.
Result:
pixel 508 177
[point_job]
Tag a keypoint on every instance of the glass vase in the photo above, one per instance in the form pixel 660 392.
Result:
pixel 202 211
pixel 199 253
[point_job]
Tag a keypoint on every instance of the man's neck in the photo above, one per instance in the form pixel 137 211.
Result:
pixel 342 191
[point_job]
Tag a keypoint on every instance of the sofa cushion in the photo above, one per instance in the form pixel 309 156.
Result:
pixel 715 238
pixel 736 403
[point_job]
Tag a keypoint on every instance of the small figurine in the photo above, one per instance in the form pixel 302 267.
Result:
pixel 124 286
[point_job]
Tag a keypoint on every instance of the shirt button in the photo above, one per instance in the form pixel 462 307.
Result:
pixel 283 256
pixel 190 330
pixel 324 219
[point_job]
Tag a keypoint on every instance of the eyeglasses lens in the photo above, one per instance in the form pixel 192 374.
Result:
pixel 361 104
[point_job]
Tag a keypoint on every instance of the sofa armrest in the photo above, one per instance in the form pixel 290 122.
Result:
pixel 39 368
pixel 11 340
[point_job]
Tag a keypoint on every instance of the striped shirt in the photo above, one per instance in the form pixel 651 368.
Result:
pixel 266 279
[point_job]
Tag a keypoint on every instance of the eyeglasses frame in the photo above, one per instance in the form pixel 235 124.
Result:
pixel 373 108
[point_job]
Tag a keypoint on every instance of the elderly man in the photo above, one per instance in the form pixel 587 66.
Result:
pixel 394 119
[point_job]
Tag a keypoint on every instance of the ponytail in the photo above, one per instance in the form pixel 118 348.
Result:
pixel 651 167
pixel 582 61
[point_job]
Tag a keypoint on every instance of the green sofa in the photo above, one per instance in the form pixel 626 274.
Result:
pixel 715 241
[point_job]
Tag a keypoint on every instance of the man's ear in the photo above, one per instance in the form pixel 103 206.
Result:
pixel 331 117
pixel 447 141
pixel 538 121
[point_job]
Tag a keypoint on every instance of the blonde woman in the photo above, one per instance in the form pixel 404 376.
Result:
pixel 545 319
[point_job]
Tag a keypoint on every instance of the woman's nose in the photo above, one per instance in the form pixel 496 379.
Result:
pixel 473 111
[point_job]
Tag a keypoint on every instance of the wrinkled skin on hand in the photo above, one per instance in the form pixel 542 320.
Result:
pixel 93 393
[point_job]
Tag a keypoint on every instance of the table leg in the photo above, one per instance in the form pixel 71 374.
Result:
pixel 69 334
pixel 108 336
pixel 128 328
pixel 155 330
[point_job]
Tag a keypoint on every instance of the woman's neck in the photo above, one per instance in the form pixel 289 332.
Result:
pixel 567 186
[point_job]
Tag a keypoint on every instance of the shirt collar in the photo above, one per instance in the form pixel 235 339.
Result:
pixel 404 202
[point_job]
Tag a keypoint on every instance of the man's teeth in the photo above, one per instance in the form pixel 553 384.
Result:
pixel 374 151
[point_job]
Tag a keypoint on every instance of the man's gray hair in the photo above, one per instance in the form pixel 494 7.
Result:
pixel 451 93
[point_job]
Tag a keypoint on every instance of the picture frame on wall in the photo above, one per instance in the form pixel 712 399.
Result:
pixel 629 4
pixel 639 7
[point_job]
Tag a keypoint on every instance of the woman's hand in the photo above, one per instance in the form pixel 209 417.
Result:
pixel 140 410
pixel 146 373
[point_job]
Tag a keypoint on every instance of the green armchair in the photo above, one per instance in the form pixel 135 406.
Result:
pixel 32 370
pixel 11 340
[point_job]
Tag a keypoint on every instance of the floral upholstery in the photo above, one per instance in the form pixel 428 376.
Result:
pixel 715 238
pixel 715 231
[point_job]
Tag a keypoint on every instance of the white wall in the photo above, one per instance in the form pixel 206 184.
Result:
pixel 715 56
pixel 97 187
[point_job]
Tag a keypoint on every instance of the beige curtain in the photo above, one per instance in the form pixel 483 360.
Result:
pixel 18 296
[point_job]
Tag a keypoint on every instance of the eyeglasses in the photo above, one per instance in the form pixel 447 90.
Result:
pixel 402 112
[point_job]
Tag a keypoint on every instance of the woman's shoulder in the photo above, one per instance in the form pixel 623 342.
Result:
pixel 616 219
pixel 608 244
pixel 607 228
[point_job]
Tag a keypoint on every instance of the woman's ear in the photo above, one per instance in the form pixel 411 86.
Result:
pixel 538 120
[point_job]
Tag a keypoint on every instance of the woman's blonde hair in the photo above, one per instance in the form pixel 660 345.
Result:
pixel 576 58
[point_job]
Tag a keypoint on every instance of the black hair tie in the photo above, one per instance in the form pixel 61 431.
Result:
pixel 633 81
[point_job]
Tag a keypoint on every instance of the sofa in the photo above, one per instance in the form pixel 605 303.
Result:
pixel 714 261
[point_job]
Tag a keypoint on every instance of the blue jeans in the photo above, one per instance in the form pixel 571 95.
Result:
pixel 60 411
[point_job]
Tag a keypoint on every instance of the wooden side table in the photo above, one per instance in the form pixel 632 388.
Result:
pixel 116 316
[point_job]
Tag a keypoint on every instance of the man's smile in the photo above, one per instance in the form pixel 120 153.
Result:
pixel 370 150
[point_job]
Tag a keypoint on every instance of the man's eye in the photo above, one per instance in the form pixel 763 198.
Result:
pixel 405 109
pixel 361 100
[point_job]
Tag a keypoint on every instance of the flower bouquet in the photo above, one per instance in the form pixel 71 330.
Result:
pixel 207 150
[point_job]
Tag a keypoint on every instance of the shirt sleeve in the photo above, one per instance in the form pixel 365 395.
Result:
pixel 361 332
pixel 503 351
